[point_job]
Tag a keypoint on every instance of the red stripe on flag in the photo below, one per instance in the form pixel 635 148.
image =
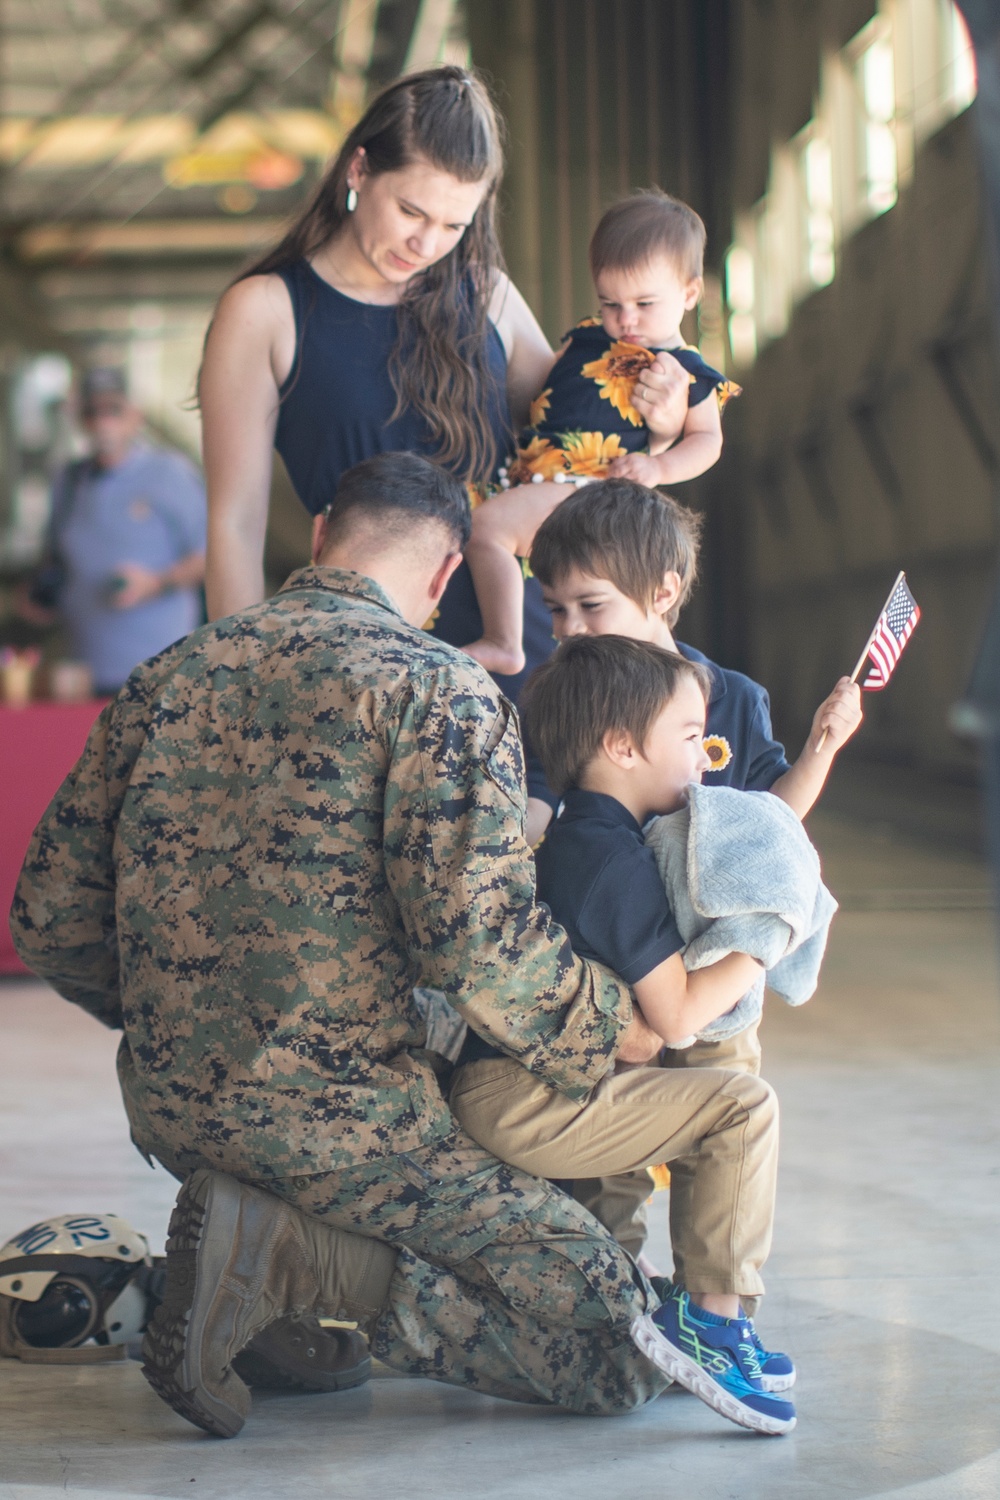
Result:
pixel 887 647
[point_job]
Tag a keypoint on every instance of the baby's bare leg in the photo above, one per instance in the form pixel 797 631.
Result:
pixel 499 582
pixel 503 529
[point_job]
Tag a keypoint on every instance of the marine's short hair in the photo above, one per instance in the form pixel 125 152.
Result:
pixel 620 530
pixel 395 490
pixel 633 232
pixel 593 684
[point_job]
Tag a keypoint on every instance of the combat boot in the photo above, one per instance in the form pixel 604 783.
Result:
pixel 299 1354
pixel 238 1260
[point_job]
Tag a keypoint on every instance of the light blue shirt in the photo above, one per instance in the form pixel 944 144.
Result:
pixel 150 510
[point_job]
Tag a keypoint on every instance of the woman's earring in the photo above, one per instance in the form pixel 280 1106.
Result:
pixel 352 199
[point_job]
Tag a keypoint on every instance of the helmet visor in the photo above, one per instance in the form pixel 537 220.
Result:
pixel 65 1314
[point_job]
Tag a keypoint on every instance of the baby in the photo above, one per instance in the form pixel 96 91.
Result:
pixel 646 258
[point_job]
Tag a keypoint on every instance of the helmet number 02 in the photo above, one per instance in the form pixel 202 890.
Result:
pixel 80 1230
pixel 86 1229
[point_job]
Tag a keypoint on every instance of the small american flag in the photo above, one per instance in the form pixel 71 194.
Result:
pixel 895 625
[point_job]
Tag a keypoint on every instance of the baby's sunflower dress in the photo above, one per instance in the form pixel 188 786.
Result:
pixel 584 419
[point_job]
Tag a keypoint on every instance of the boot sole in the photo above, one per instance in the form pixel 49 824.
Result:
pixel 672 1361
pixel 172 1347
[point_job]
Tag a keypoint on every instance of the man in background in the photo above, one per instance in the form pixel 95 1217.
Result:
pixel 126 548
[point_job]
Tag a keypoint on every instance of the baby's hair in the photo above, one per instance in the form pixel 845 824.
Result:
pixel 619 530
pixel 636 230
pixel 592 685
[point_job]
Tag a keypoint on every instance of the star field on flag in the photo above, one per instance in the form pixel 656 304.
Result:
pixel 895 625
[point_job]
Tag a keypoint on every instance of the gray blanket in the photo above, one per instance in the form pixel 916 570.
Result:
pixel 741 876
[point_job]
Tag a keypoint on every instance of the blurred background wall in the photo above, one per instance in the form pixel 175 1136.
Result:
pixel 147 149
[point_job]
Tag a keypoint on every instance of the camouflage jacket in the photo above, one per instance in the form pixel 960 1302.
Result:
pixel 281 825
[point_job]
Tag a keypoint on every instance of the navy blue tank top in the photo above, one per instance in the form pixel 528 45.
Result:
pixel 335 411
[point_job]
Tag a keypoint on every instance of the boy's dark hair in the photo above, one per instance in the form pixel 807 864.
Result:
pixel 593 684
pixel 636 230
pixel 398 489
pixel 619 530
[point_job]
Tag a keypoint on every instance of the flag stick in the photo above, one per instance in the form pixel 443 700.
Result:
pixel 868 644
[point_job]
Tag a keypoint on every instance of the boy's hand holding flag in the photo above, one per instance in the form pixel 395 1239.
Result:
pixel 893 629
pixel 884 646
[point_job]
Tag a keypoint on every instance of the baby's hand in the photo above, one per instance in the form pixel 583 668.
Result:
pixel 838 716
pixel 638 467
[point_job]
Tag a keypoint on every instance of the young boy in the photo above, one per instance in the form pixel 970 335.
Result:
pixel 646 258
pixel 619 727
pixel 619 559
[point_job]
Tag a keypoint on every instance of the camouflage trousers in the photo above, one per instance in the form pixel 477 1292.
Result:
pixel 503 1285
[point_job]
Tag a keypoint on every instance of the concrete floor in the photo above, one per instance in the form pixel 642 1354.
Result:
pixel 881 1280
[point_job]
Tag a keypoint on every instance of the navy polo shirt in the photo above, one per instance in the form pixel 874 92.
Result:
pixel 601 883
pixel 738 733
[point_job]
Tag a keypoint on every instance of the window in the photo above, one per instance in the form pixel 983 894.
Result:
pixel 906 73
pixel 961 78
pixel 816 168
pixel 875 81
pixel 740 298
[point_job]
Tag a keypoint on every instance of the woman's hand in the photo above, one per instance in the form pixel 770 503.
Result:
pixel 661 399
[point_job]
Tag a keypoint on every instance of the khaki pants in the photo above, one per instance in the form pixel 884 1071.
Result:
pixel 619 1201
pixel 721 1127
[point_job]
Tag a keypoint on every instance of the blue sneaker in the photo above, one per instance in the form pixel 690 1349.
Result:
pixel 777 1372
pixel 715 1358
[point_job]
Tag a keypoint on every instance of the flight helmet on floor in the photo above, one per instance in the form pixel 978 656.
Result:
pixel 76 1289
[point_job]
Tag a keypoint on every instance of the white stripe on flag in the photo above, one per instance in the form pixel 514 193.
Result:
pixel 883 655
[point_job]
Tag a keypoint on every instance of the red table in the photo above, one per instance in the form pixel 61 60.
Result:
pixel 39 744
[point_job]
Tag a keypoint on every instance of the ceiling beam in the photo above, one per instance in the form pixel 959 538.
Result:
pixel 430 31
pixel 77 241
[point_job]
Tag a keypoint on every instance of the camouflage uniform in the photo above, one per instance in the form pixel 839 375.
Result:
pixel 279 827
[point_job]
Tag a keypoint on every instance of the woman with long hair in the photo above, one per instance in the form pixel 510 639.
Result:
pixel 382 321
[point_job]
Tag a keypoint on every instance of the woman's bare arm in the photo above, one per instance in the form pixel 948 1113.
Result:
pixel 529 358
pixel 248 355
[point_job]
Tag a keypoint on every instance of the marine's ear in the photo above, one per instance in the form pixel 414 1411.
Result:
pixel 442 577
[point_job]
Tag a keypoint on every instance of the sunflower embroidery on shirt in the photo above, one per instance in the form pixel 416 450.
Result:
pixel 591 452
pixel 537 457
pixel 539 407
pixel 616 373
pixel 718 750
pixel 726 391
